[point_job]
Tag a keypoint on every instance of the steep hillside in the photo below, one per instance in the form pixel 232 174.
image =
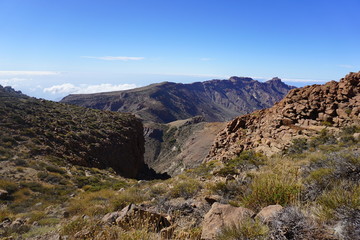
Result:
pixel 302 113
pixel 179 145
pixel 32 128
pixel 215 100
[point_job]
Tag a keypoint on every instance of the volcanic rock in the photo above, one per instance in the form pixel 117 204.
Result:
pixel 302 113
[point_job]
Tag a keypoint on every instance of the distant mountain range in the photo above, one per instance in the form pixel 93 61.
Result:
pixel 214 100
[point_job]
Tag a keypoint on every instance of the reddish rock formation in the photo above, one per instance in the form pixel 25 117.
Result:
pixel 302 113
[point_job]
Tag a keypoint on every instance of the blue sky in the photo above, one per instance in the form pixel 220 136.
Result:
pixel 52 48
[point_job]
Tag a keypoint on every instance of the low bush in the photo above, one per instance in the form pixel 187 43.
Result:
pixel 9 186
pixel 323 138
pixel 185 188
pixel 248 229
pixel 74 226
pixel 344 195
pixel 298 145
pixel 245 161
pixel 268 189
pixel 55 169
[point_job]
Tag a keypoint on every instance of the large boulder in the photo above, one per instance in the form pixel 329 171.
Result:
pixel 133 216
pixel 268 213
pixel 221 215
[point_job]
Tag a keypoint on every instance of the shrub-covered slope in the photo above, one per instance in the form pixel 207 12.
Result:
pixel 31 128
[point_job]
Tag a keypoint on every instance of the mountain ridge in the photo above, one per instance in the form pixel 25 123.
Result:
pixel 215 100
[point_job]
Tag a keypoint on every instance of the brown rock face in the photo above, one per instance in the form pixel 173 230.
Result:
pixel 301 113
pixel 221 215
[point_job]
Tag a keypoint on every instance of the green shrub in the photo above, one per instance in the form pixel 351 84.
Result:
pixel 34 186
pixel 350 130
pixel 247 229
pixel 227 170
pixel 228 190
pixel 269 189
pixel 131 195
pixel 203 169
pixel 319 175
pixel 344 195
pixel 21 162
pixel 9 186
pixel 245 161
pixel 185 188
pixel 299 145
pixel 73 226
pixel 55 169
pixel 323 138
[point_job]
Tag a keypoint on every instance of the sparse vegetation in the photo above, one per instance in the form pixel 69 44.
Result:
pixel 248 229
pixel 316 181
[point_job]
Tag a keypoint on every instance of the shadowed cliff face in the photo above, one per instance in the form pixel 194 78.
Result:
pixel 302 113
pixel 215 100
pixel 74 134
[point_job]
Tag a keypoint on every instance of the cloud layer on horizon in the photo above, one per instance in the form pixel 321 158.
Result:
pixel 68 88
pixel 28 73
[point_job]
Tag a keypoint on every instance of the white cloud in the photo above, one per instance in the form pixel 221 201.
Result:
pixel 28 73
pixel 114 58
pixel 346 66
pixel 13 82
pixel 295 80
pixel 68 88
pixel 63 88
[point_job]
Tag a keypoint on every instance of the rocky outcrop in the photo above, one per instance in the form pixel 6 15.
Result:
pixel 302 113
pixel 215 100
pixel 221 215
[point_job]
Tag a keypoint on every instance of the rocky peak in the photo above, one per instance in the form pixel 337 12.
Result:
pixel 235 79
pixel 8 89
pixel 302 113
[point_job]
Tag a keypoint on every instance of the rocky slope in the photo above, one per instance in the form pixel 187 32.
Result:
pixel 33 128
pixel 215 100
pixel 302 113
